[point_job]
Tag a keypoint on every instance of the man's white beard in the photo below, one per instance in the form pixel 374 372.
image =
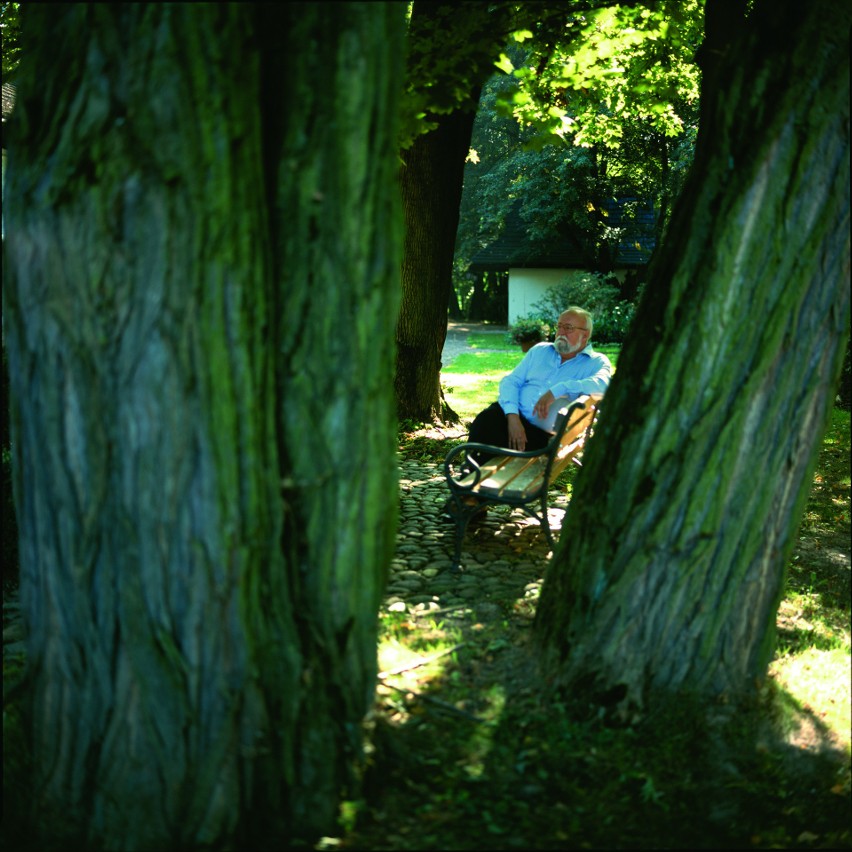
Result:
pixel 563 347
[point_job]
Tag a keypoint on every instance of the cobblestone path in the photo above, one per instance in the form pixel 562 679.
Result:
pixel 504 556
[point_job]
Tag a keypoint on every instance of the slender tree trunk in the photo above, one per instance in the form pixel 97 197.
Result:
pixel 671 565
pixel 452 49
pixel 476 305
pixel 454 308
pixel 199 310
pixel 432 177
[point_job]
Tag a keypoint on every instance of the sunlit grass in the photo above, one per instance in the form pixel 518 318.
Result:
pixel 413 650
pixel 471 382
pixel 490 340
pixel 484 361
pixel 816 679
pixel 814 657
pixel 465 395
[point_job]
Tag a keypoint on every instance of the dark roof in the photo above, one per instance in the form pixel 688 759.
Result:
pixel 515 248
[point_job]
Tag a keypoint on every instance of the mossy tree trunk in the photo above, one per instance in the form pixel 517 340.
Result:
pixel 670 566
pixel 203 254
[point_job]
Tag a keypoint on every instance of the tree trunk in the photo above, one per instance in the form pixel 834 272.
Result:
pixel 199 309
pixel 453 307
pixel 476 305
pixel 431 178
pixel 452 50
pixel 671 564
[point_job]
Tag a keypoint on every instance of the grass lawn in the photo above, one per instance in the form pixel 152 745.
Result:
pixel 474 376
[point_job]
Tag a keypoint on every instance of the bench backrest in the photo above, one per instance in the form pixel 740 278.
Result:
pixel 525 477
pixel 571 435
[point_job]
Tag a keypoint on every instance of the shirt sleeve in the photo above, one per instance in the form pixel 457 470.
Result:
pixel 595 378
pixel 509 395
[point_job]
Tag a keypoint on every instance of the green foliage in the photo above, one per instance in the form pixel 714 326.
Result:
pixel 530 329
pixel 592 291
pixel 10 37
pixel 613 322
pixel 598 294
pixel 611 66
pixel 562 151
pixel 451 49
pixel 562 188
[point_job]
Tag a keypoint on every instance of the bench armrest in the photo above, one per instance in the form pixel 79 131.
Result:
pixel 474 468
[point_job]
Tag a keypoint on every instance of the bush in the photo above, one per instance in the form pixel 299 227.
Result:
pixel 597 293
pixel 611 325
pixel 530 329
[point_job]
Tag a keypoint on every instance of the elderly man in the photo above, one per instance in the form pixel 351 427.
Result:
pixel 524 416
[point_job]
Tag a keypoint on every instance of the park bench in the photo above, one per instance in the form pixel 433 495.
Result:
pixel 514 478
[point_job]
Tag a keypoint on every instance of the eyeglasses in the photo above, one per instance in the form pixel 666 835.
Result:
pixel 569 328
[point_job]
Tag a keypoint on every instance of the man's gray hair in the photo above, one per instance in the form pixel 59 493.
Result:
pixel 587 317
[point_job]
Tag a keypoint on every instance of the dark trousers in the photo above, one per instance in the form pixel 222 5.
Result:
pixel 490 427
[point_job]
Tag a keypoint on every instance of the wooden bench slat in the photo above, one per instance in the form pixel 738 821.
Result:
pixel 505 471
pixel 518 476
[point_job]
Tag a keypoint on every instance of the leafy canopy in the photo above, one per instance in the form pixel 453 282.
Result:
pixel 607 68
pixel 10 32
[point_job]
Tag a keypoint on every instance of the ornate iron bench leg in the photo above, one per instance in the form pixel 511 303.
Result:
pixel 545 521
pixel 462 515
pixel 460 527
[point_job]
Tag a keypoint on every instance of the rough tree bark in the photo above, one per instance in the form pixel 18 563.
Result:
pixel 670 567
pixel 431 178
pixel 452 50
pixel 202 267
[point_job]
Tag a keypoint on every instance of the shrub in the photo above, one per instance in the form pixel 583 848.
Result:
pixel 597 293
pixel 530 329
pixel 611 325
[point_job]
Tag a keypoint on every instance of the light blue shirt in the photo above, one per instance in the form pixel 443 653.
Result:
pixel 542 369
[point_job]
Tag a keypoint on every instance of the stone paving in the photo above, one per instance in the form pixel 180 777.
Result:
pixel 502 557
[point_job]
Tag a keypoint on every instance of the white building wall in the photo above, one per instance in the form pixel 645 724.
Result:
pixel 527 286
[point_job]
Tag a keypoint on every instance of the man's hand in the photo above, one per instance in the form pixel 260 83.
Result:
pixel 517 434
pixel 543 405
